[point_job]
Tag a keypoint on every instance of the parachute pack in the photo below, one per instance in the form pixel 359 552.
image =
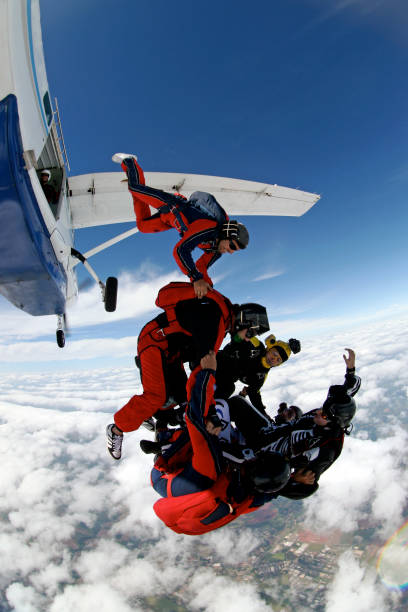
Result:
pixel 202 202
pixel 201 512
pixel 174 292
pixel 207 204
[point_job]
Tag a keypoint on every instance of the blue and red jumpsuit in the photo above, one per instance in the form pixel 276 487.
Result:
pixel 199 491
pixel 187 330
pixel 195 228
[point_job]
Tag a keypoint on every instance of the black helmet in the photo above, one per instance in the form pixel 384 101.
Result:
pixel 232 230
pixel 282 418
pixel 251 316
pixel 270 472
pixel 339 407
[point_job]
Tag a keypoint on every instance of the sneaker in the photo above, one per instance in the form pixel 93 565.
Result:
pixel 119 157
pixel 114 442
pixel 149 424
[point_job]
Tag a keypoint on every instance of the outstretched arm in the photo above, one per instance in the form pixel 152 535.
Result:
pixel 200 232
pixel 352 382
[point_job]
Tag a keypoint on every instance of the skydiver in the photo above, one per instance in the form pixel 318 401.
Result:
pixel 213 232
pixel 200 490
pixel 186 331
pixel 311 442
pixel 315 441
pixel 249 360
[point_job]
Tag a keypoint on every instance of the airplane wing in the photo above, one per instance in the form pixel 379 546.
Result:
pixel 103 198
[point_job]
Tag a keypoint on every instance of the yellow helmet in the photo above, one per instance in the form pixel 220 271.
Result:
pixel 284 348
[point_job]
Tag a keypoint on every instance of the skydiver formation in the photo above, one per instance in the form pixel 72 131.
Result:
pixel 218 455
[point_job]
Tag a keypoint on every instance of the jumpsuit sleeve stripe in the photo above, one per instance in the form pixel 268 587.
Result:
pixel 206 260
pixel 207 456
pixel 352 384
pixel 183 249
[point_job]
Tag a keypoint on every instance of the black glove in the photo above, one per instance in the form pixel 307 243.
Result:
pixel 213 417
pixel 294 345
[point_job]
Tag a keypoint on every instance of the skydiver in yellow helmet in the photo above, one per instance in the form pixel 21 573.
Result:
pixel 278 351
pixel 249 361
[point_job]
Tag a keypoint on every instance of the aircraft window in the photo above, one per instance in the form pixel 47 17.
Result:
pixel 47 107
pixel 51 155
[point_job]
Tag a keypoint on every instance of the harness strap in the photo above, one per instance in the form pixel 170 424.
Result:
pixel 181 227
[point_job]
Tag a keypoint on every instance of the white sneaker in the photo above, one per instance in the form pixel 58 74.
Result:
pixel 119 157
pixel 114 442
pixel 149 424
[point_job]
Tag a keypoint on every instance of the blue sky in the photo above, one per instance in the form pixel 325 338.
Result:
pixel 306 94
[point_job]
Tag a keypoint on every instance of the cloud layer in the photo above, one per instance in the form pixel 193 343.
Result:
pixel 78 530
pixel 111 337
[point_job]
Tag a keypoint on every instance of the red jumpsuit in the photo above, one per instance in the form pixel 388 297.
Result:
pixel 187 331
pixel 196 228
pixel 195 483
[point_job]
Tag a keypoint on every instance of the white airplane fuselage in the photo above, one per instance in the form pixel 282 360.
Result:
pixel 36 272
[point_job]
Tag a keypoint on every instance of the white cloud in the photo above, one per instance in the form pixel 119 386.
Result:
pixel 355 588
pixel 23 352
pixel 268 275
pixel 361 484
pixel 136 295
pixel 137 302
pixel 78 530
pixel 233 548
pixel 308 327
pixel 393 561
pixel 96 596
pixel 23 599
pixel 218 594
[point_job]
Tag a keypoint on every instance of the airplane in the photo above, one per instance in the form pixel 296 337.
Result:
pixel 38 258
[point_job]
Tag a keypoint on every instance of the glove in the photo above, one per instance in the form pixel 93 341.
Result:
pixel 294 345
pixel 215 420
pixel 213 417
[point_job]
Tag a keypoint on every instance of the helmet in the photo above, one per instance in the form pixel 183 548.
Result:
pixel 297 411
pixel 339 407
pixel 47 172
pixel 232 230
pixel 282 418
pixel 284 348
pixel 270 472
pixel 251 316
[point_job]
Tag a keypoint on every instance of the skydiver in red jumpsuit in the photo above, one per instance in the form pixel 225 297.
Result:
pixel 200 221
pixel 187 330
pixel 200 490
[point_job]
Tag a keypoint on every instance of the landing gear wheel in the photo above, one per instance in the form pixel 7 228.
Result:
pixel 60 338
pixel 111 292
